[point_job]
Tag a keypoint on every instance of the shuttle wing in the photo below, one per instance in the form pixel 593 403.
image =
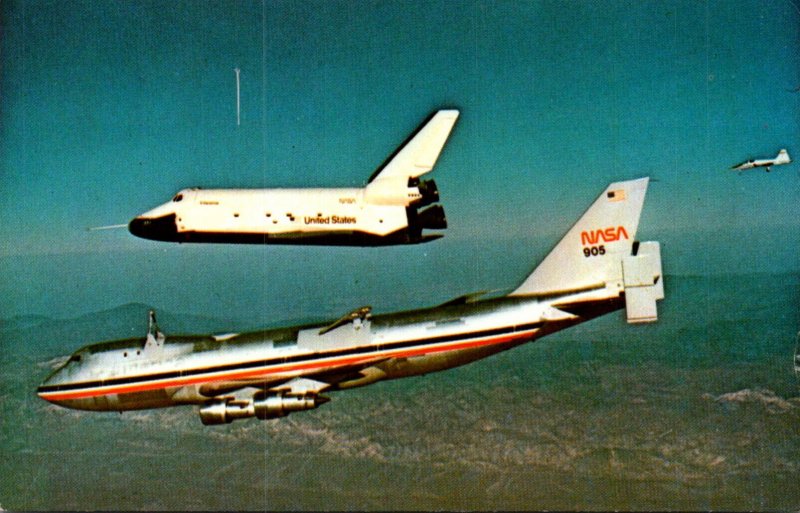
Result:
pixel 419 154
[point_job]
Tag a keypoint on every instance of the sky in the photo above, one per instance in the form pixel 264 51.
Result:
pixel 108 108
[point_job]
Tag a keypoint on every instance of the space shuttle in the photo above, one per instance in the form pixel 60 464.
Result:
pixel 393 208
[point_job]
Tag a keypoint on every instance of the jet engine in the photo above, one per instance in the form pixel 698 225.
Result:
pixel 262 406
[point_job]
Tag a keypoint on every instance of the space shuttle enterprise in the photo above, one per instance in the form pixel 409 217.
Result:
pixel 596 268
pixel 394 207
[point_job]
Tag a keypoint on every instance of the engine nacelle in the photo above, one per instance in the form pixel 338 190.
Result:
pixel 262 406
pixel 272 406
pixel 225 411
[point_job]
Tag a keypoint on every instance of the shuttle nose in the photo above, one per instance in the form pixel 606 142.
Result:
pixel 138 226
pixel 154 228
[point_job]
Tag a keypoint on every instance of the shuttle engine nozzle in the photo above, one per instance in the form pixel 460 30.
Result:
pixel 432 218
pixel 429 191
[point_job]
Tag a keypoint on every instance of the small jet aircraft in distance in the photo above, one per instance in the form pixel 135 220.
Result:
pixel 389 210
pixel 781 158
pixel 596 268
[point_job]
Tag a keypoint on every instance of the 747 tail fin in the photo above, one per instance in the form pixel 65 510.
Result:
pixel 598 252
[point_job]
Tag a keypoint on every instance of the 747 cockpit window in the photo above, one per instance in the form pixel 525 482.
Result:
pixel 177 198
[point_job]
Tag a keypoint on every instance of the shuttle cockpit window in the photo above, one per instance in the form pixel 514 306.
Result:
pixel 75 358
pixel 177 198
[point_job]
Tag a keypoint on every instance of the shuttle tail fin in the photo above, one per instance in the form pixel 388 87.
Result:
pixel 419 153
pixel 783 157
pixel 599 252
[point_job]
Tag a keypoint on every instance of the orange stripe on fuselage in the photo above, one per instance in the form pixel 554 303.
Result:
pixel 277 369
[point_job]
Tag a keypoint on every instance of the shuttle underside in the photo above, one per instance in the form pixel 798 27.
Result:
pixel 290 217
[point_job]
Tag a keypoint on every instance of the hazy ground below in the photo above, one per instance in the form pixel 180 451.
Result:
pixel 699 411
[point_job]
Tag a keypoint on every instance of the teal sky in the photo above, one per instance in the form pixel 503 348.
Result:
pixel 108 108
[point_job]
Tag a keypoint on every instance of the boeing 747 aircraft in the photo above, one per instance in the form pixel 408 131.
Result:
pixel 595 269
pixel 389 210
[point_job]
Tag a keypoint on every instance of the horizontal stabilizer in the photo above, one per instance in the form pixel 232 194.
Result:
pixel 641 275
